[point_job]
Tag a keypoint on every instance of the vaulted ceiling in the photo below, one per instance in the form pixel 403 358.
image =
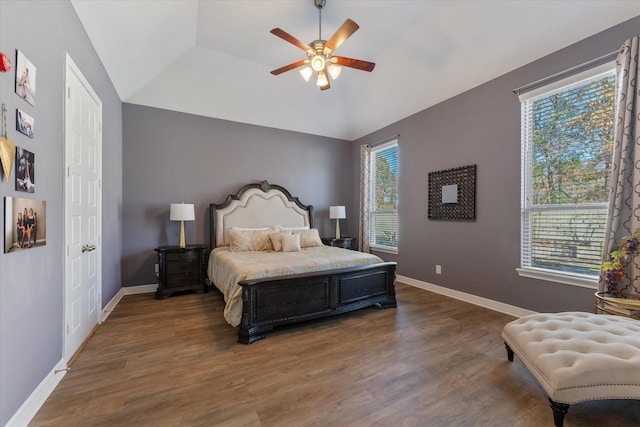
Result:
pixel 212 58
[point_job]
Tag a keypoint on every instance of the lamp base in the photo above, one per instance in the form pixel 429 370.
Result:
pixel 337 229
pixel 182 243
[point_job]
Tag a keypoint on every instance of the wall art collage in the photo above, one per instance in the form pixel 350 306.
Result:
pixel 24 217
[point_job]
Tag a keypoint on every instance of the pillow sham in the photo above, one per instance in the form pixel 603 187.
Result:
pixel 227 233
pixel 241 240
pixel 309 238
pixel 290 242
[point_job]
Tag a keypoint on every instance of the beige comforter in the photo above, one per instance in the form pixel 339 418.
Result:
pixel 227 268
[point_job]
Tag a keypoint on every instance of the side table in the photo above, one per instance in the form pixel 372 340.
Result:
pixel 343 242
pixel 181 269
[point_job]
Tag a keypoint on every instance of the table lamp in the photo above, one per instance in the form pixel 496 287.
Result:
pixel 182 212
pixel 337 213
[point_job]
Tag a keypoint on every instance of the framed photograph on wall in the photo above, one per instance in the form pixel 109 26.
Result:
pixel 24 123
pixel 25 224
pixel 452 194
pixel 25 170
pixel 25 78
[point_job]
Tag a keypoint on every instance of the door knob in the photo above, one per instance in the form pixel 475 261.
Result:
pixel 88 248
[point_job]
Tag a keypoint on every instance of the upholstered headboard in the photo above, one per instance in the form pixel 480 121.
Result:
pixel 257 205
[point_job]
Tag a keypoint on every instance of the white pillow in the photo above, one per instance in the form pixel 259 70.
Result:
pixel 302 227
pixel 290 242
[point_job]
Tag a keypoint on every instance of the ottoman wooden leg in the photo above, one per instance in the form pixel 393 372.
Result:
pixel 559 410
pixel 509 352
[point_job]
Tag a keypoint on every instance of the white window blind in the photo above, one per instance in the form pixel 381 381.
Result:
pixel 383 227
pixel 567 140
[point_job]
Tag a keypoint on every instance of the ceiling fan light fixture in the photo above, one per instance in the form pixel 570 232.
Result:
pixel 317 63
pixel 319 52
pixel 306 73
pixel 334 71
pixel 322 79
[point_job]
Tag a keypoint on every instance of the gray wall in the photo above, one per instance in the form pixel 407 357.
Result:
pixel 172 157
pixel 31 281
pixel 480 126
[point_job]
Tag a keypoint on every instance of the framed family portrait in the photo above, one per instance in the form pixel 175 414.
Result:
pixel 24 123
pixel 25 78
pixel 25 224
pixel 25 170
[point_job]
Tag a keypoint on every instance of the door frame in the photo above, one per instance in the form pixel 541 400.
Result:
pixel 71 67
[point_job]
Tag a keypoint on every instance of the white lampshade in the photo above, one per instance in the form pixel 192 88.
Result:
pixel 306 73
pixel 334 71
pixel 322 79
pixel 182 212
pixel 337 212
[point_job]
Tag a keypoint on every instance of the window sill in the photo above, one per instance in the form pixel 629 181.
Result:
pixel 385 249
pixel 552 276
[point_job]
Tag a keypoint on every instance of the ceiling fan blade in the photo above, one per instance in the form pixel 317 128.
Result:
pixel 354 63
pixel 289 38
pixel 289 67
pixel 344 32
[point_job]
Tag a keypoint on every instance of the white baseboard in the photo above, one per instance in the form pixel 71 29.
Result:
pixel 140 289
pixel 34 402
pixel 106 311
pixel 501 307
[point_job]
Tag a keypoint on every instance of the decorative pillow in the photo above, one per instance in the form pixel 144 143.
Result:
pixel 290 242
pixel 309 238
pixel 276 241
pixel 227 233
pixel 249 240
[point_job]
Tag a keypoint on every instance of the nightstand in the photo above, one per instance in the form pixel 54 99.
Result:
pixel 343 242
pixel 181 269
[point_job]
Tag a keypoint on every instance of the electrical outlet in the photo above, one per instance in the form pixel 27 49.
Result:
pixel 438 269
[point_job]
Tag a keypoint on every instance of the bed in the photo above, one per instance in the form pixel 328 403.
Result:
pixel 264 288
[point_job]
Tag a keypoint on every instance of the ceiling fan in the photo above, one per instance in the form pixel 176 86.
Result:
pixel 320 57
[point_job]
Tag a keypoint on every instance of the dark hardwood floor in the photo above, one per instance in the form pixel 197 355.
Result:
pixel 433 361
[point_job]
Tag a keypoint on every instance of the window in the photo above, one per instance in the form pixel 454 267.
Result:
pixel 567 142
pixel 383 225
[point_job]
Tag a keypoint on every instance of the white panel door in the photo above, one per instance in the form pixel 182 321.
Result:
pixel 83 158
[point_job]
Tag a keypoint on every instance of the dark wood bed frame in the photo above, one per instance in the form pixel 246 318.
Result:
pixel 282 300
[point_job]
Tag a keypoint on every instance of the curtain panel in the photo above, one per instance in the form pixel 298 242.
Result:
pixel 365 198
pixel 624 192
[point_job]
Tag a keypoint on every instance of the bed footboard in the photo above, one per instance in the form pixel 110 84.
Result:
pixel 291 299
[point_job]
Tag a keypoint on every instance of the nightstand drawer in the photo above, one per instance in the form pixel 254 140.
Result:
pixel 183 279
pixel 182 262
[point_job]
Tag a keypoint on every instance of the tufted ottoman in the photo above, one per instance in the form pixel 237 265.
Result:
pixel 578 356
